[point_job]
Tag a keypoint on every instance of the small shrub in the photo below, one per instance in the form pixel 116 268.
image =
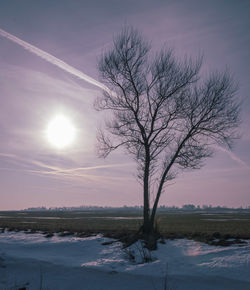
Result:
pixel 144 252
pixel 129 254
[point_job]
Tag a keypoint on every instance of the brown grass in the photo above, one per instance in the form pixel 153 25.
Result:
pixel 171 225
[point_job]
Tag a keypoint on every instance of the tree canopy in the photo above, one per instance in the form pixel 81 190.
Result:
pixel 164 114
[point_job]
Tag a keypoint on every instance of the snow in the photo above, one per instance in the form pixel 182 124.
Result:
pixel 36 262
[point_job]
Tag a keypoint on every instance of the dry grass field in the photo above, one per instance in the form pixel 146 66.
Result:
pixel 200 226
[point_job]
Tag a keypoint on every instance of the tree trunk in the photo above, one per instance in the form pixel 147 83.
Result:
pixel 146 209
pixel 146 220
pixel 155 206
pixel 152 218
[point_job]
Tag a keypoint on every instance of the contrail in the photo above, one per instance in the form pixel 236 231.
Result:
pixel 54 60
pixel 233 156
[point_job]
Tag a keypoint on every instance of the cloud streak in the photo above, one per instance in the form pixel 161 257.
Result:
pixel 233 156
pixel 44 169
pixel 53 60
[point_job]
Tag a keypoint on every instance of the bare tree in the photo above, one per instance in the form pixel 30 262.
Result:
pixel 162 113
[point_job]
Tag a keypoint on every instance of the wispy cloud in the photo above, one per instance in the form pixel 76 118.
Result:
pixel 75 173
pixel 233 156
pixel 53 60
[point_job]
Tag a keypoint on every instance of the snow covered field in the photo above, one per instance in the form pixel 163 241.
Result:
pixel 36 262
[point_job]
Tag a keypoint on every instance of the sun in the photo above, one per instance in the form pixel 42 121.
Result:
pixel 60 132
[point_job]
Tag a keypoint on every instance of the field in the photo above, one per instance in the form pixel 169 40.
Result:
pixel 115 222
pixel 58 250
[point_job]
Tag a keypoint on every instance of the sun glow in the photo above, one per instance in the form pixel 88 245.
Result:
pixel 60 132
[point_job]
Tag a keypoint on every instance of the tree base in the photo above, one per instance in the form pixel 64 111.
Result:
pixel 149 236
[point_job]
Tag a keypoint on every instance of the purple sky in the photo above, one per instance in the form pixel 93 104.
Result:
pixel 32 91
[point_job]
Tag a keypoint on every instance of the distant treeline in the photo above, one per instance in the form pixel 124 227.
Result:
pixel 185 207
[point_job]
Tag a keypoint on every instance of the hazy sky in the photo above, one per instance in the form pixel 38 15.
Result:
pixel 33 91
